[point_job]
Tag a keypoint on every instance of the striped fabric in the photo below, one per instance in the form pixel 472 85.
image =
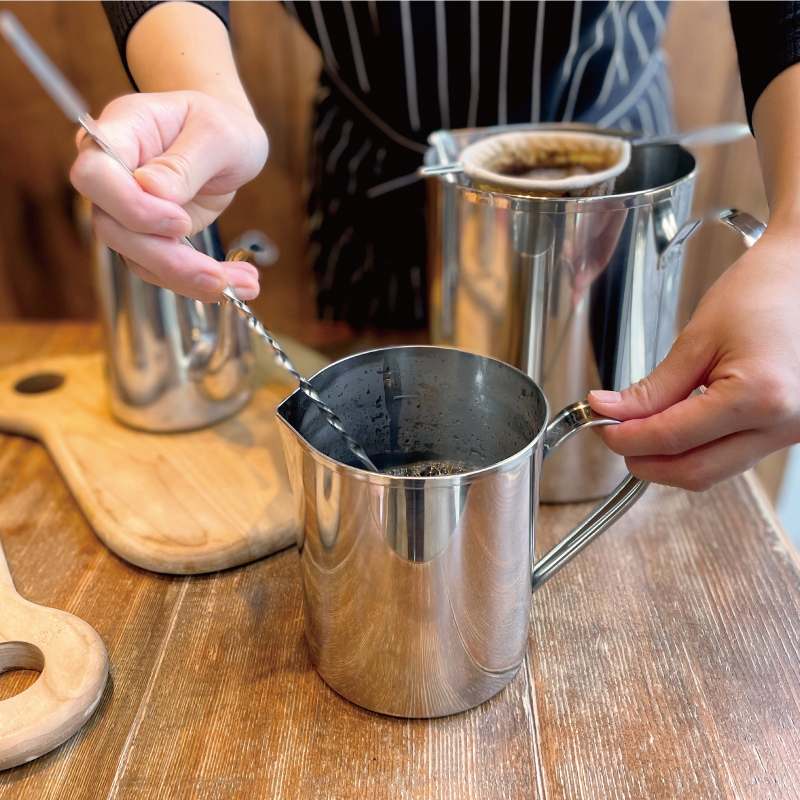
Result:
pixel 420 66
pixel 395 71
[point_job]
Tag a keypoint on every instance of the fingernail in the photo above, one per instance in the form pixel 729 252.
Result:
pixel 172 227
pixel 246 291
pixel 605 397
pixel 210 283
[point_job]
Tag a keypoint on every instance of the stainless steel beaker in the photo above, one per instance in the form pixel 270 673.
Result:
pixel 174 364
pixel 416 590
pixel 580 293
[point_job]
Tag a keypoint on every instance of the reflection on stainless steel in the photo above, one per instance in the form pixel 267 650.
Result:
pixel 417 589
pixel 174 363
pixel 580 293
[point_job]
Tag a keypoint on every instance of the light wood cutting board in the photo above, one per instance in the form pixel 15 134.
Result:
pixel 182 503
pixel 74 665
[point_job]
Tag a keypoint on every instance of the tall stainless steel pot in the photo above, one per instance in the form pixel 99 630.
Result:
pixel 579 293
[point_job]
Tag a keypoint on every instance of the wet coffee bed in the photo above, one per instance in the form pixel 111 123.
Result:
pixel 421 469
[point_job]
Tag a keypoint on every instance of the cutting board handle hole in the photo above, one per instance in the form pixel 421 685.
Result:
pixel 39 383
pixel 16 657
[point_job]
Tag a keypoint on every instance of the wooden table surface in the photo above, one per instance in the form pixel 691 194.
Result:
pixel 663 663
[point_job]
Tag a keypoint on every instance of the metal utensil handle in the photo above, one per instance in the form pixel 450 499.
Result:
pixel 566 423
pixel 746 224
pixel 707 135
pixel 441 169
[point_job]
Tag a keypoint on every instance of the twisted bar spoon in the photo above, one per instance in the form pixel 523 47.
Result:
pixel 355 448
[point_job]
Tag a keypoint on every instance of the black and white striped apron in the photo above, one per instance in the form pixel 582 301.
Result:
pixel 396 71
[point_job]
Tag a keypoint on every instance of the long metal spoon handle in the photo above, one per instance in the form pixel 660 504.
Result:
pixel 284 360
pixel 707 135
pixel 93 129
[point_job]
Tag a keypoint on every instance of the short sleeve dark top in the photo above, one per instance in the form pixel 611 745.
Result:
pixel 767 37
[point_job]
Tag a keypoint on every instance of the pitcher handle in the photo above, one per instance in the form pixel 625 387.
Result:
pixel 580 415
pixel 566 423
pixel 746 224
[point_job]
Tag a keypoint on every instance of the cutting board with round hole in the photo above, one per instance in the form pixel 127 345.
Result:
pixel 178 503
pixel 73 663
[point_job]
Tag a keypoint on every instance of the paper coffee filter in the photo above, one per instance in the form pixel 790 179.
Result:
pixel 503 159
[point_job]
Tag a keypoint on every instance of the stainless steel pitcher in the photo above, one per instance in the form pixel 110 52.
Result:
pixel 174 363
pixel 579 293
pixel 416 590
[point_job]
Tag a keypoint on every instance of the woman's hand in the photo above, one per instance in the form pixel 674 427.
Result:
pixel 743 345
pixel 190 152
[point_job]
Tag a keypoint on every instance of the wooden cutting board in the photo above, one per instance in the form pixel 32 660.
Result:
pixel 180 503
pixel 73 663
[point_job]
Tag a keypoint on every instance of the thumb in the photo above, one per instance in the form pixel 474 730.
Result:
pixel 215 149
pixel 684 369
pixel 194 159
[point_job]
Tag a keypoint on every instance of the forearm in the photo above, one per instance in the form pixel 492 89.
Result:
pixel 776 123
pixel 184 46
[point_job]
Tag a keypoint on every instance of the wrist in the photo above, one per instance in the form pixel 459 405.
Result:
pixel 227 93
pixel 180 46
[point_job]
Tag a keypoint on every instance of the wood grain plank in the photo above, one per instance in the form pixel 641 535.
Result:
pixel 667 662
pixel 662 663
pixel 40 339
pixel 56 561
pixel 237 661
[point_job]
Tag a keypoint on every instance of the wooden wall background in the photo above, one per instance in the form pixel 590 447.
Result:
pixel 44 253
pixel 44 256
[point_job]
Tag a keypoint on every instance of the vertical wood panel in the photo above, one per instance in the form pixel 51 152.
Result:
pixel 44 262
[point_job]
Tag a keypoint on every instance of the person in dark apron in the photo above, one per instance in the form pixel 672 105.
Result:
pixel 394 72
